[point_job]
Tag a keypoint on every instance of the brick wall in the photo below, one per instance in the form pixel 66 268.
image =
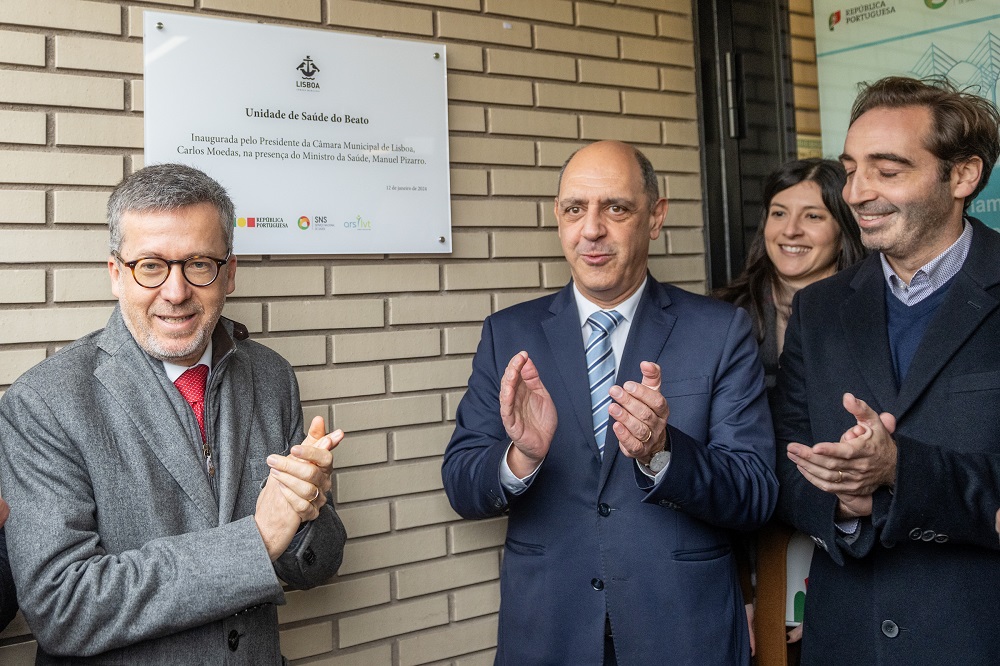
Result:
pixel 382 345
pixel 804 78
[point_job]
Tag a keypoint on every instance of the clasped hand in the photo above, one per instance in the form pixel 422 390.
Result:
pixel 529 415
pixel 296 487
pixel 853 468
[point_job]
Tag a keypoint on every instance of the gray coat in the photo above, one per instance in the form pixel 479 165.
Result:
pixel 121 545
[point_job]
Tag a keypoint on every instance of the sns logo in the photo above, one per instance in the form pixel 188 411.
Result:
pixel 931 4
pixel 834 19
pixel 303 223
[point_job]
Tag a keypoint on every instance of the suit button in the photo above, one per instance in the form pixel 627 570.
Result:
pixel 890 629
pixel 928 535
pixel 309 556
pixel 915 533
pixel 597 584
pixel 941 538
pixel 234 640
pixel 604 509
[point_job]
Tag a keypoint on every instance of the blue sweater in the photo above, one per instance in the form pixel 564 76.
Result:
pixel 907 324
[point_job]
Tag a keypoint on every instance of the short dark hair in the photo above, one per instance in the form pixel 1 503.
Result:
pixel 167 187
pixel 759 275
pixel 650 184
pixel 964 126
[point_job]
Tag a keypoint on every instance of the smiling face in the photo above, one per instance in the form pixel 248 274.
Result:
pixel 801 236
pixel 174 321
pixel 606 222
pixel 894 186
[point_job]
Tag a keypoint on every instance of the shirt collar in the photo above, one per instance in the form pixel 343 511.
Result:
pixel 626 308
pixel 932 275
pixel 174 371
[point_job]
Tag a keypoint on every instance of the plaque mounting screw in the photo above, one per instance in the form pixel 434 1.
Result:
pixel 159 25
pixel 441 239
pixel 437 55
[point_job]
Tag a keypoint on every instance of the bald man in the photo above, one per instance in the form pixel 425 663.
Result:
pixel 622 425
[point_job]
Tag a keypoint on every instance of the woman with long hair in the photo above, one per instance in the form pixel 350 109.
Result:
pixel 807 232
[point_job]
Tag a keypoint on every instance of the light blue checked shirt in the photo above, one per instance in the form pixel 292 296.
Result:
pixel 932 275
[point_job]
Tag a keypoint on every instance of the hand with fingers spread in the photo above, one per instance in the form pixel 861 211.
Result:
pixel 640 415
pixel 528 414
pixel 296 488
pixel 853 468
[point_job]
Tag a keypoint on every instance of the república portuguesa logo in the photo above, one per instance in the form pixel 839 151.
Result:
pixel 871 10
pixel 260 223
pixel 309 71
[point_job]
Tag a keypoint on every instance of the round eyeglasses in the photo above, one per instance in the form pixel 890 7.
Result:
pixel 151 272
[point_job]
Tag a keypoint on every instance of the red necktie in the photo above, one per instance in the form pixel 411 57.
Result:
pixel 191 384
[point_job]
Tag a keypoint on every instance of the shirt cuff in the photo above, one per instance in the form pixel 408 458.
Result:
pixel 648 472
pixel 509 481
pixel 849 526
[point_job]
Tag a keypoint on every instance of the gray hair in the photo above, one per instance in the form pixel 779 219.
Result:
pixel 166 187
pixel 650 185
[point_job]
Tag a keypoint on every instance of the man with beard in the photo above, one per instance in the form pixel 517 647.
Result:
pixel 159 480
pixel 889 394
pixel 622 423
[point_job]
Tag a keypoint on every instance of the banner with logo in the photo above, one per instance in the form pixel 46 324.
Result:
pixel 328 143
pixel 864 41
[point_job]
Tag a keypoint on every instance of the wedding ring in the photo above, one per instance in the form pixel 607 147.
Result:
pixel 648 435
pixel 315 497
pixel 841 479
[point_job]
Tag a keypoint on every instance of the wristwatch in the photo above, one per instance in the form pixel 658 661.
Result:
pixel 659 461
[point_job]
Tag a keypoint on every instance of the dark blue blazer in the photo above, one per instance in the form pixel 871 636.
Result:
pixel 592 538
pixel 921 583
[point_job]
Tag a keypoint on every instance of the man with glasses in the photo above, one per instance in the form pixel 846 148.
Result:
pixel 160 481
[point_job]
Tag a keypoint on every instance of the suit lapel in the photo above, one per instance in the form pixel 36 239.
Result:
pixel 565 339
pixel 964 308
pixel 129 379
pixel 863 317
pixel 235 395
pixel 647 336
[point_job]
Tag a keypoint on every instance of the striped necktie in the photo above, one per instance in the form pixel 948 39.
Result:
pixel 601 369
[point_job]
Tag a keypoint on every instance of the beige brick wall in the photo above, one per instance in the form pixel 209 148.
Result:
pixel 382 346
pixel 804 79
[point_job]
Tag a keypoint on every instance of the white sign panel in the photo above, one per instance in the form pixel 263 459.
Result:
pixel 328 143
pixel 866 40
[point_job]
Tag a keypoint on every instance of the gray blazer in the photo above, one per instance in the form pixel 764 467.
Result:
pixel 121 545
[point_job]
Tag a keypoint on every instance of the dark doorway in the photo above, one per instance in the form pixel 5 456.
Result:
pixel 749 119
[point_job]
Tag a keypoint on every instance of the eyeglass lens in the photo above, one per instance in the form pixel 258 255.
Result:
pixel 153 272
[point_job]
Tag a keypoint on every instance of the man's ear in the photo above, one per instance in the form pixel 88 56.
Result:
pixel 656 218
pixel 231 275
pixel 115 273
pixel 965 177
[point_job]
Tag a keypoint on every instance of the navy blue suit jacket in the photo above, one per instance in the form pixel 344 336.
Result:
pixel 921 582
pixel 593 537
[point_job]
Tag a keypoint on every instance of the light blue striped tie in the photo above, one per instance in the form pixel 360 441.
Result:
pixel 601 369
